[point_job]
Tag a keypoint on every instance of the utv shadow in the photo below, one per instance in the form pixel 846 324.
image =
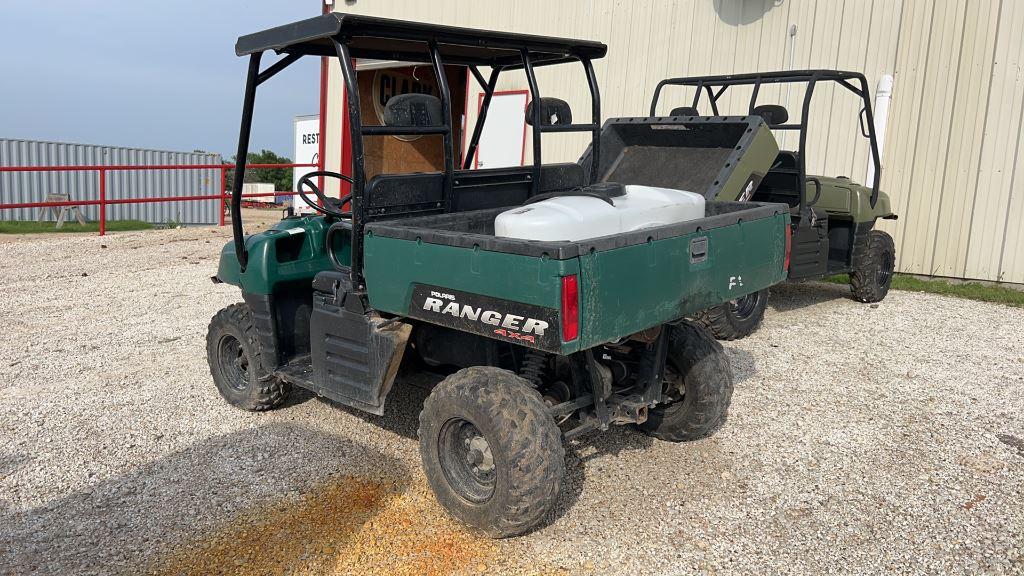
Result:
pixel 168 510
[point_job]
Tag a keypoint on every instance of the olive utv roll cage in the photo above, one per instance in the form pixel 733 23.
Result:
pixel 715 86
pixel 348 36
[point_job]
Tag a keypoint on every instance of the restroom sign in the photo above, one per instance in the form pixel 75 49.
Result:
pixel 307 151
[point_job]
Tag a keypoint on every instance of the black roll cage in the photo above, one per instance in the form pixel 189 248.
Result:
pixel 715 86
pixel 348 36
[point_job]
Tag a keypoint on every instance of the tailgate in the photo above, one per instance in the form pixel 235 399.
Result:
pixel 629 289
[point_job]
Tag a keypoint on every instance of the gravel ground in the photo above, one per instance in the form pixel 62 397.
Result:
pixel 862 439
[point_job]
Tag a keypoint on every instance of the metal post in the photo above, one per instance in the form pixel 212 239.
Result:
pixel 478 128
pixel 802 157
pixel 753 96
pixel 657 96
pixel 103 202
pixel 531 79
pixel 696 95
pixel 714 98
pixel 223 192
pixel 446 111
pixel 240 159
pixel 873 141
pixel 595 114
pixel 355 130
pixel 322 127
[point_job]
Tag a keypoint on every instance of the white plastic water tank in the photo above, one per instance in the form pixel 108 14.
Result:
pixel 582 217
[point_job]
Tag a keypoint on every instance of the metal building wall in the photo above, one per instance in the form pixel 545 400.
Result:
pixel 18 187
pixel 950 161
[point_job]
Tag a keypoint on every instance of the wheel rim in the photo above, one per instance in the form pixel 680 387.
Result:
pixel 886 265
pixel 744 306
pixel 234 363
pixel 467 460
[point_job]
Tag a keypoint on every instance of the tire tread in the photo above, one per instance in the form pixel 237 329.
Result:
pixel 270 391
pixel 863 277
pixel 525 428
pixel 721 323
pixel 709 382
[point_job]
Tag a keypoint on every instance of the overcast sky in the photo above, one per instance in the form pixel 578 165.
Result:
pixel 149 74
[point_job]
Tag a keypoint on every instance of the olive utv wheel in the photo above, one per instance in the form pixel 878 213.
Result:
pixel 698 386
pixel 236 362
pixel 873 267
pixel 491 451
pixel 737 318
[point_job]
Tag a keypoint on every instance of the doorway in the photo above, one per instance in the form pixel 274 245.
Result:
pixel 503 140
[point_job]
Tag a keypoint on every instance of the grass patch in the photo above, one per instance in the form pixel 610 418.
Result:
pixel 966 290
pixel 30 227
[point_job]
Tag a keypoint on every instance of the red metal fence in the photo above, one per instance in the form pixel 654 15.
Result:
pixel 103 201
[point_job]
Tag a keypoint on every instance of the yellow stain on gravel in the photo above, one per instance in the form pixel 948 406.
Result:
pixel 351 526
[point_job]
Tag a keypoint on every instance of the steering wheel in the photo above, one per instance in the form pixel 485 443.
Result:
pixel 331 206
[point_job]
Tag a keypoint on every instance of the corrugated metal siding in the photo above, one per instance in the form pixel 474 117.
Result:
pixel 18 187
pixel 951 161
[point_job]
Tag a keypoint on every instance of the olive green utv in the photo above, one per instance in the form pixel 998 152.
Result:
pixel 833 218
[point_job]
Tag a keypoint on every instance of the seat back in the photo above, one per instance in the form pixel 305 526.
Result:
pixel 773 114
pixel 684 111
pixel 553 112
pixel 413 110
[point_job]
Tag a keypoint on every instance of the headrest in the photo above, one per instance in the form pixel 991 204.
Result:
pixel 684 111
pixel 773 114
pixel 553 112
pixel 413 110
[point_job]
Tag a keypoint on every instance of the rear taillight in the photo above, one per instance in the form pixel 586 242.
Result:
pixel 789 247
pixel 570 308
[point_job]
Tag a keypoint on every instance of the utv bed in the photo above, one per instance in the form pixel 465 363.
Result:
pixel 630 282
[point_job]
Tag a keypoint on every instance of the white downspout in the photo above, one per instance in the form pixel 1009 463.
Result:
pixel 789 85
pixel 883 94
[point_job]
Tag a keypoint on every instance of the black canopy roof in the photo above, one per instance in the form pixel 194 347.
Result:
pixel 387 39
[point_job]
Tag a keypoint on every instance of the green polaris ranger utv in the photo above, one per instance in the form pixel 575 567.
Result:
pixel 542 340
pixel 833 218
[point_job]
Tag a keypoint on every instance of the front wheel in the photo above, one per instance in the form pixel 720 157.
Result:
pixel 737 318
pixel 491 451
pixel 697 387
pixel 873 267
pixel 236 362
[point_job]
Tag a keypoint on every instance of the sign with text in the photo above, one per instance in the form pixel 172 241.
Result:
pixel 307 151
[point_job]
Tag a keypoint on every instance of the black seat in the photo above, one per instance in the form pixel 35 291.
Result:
pixel 782 182
pixel 413 110
pixel 684 111
pixel 773 114
pixel 553 112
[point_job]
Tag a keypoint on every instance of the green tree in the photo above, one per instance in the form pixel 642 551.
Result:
pixel 281 178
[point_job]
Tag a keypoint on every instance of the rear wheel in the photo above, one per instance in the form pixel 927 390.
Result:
pixel 737 318
pixel 698 387
pixel 491 451
pixel 236 362
pixel 873 268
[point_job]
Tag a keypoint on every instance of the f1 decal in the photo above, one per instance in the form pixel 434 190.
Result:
pixel 735 282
